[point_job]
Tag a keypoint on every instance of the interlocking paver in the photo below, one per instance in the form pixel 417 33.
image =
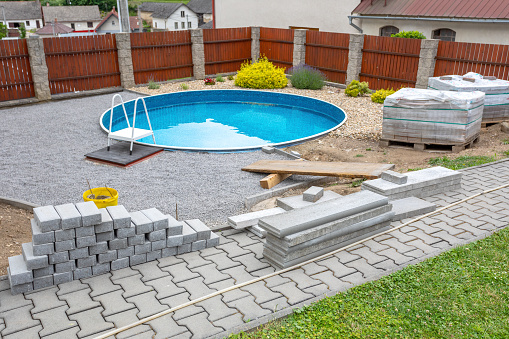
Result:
pixel 338 269
pixel 67 334
pixel 366 269
pixel 276 281
pixel 210 251
pixel 216 308
pixel 187 312
pixel 180 272
pixel 133 286
pixel 391 253
pixel 427 249
pixel 427 239
pixel 471 221
pixel 168 261
pixel 370 256
pixel 397 245
pixel 346 257
pixel 263 272
pixel 465 236
pixel 447 237
pixel 313 268
pixel 452 230
pixel 147 303
pixel 44 300
pixel 204 330
pixel 260 292
pixel 300 277
pixel 165 287
pixel 79 301
pixel 101 284
pixel 242 239
pixel 239 274
pixel 333 283
pixel 71 287
pixel 386 264
pixel 232 249
pixel 18 319
pixel 292 293
pixel 150 271
pixel 196 288
pixel 166 327
pixel 31 332
pixel 317 290
pixel 210 273
pixel 124 319
pixel 113 302
pixel 54 320
pixel 222 261
pixel 230 321
pixel 91 322
pixel 250 262
pixel 494 222
pixel 256 248
pixel 417 253
pixel 249 308
pixel 276 304
pixel 194 259
pixel 355 278
pixel 123 273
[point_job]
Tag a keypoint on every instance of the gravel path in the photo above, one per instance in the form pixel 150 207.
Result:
pixel 42 161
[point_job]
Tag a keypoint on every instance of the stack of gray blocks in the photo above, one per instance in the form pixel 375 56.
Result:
pixel 76 241
pixel 304 233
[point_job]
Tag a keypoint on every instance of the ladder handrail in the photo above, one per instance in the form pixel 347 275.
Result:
pixel 111 112
pixel 146 114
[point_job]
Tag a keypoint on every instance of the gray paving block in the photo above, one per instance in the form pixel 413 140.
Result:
pixel 33 262
pixel 258 231
pixel 202 230
pixel 138 259
pixel 63 235
pixel 23 288
pixel 189 234
pixel 120 216
pixel 78 253
pixel 174 240
pixel 105 236
pixel 138 239
pixel 141 223
pixel 198 245
pixel 90 214
pixel 116 244
pixel 18 271
pixel 145 248
pixel 185 248
pixel 297 201
pixel 410 207
pixel 67 266
pixel 82 273
pixel 85 231
pixel 126 232
pixel 86 262
pixel 213 241
pixel 125 252
pixel 43 249
pixel 101 268
pixel 65 245
pixel 43 282
pixel 159 220
pixel 58 257
pixel 394 177
pixel 268 149
pixel 169 251
pixel 251 219
pixel 69 215
pixel 312 194
pixel 158 245
pixel 61 278
pixel 119 264
pixel 174 226
pixel 98 248
pixel 151 256
pixel 41 272
pixel 39 237
pixel 156 235
pixel 106 223
pixel 47 218
pixel 86 241
pixel 107 257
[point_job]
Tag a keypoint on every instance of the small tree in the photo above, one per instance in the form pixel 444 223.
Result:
pixel 409 35
pixel 22 31
pixel 3 31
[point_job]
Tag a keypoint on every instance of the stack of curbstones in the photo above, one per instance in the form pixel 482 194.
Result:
pixel 76 241
pixel 304 233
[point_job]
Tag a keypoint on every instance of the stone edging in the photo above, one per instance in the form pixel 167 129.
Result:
pixel 18 203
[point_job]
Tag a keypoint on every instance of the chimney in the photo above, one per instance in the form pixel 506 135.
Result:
pixel 47 4
pixel 113 10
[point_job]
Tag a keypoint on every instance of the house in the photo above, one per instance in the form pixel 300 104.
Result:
pixel 53 29
pixel 168 16
pixel 109 24
pixel 203 8
pixel 135 24
pixel 483 21
pixel 79 18
pixel 18 12
pixel 323 15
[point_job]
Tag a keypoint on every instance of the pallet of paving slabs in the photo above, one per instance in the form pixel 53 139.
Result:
pixel 319 168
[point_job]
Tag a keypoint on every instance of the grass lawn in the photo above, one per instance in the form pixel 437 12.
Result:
pixel 463 293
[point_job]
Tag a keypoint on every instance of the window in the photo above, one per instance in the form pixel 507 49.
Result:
pixel 444 34
pixel 72 25
pixel 155 24
pixel 13 24
pixel 176 25
pixel 37 23
pixel 182 14
pixel 90 24
pixel 28 23
pixel 388 30
pixel 189 24
pixel 183 24
pixel 113 22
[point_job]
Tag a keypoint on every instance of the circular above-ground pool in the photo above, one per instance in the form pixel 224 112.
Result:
pixel 228 120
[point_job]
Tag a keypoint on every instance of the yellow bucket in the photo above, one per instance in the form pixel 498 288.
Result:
pixel 102 203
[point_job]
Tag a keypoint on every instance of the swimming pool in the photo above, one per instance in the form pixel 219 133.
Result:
pixel 229 120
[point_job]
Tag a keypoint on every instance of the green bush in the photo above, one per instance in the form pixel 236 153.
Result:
pixel 409 35
pixel 185 87
pixel 153 85
pixel 22 31
pixel 3 31
pixel 306 77
pixel 261 74
pixel 230 77
pixel 356 88
pixel 220 79
pixel 380 95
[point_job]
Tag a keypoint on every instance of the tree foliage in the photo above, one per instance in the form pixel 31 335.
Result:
pixel 409 35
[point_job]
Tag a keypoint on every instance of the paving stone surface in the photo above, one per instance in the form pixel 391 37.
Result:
pixel 85 308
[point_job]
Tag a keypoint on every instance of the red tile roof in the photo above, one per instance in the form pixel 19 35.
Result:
pixel 479 9
pixel 134 22
pixel 48 29
pixel 112 12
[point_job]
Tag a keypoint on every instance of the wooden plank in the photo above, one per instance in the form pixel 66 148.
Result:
pixel 273 179
pixel 320 168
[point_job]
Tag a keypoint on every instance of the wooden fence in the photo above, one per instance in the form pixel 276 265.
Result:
pixel 226 49
pixel 329 53
pixel 277 45
pixel 15 74
pixel 390 62
pixel 463 57
pixel 161 56
pixel 82 63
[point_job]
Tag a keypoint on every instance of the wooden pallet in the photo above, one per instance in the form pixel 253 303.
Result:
pixel 490 123
pixel 430 147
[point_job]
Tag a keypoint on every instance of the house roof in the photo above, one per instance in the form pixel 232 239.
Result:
pixel 59 28
pixel 207 25
pixel 201 6
pixel 161 10
pixel 21 10
pixel 479 9
pixel 134 22
pixel 71 13
pixel 111 13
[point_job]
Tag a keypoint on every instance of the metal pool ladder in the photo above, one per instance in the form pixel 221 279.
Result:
pixel 130 134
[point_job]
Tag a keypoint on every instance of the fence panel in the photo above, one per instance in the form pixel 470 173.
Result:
pixel 463 57
pixel 329 53
pixel 82 63
pixel 15 73
pixel 390 62
pixel 226 49
pixel 161 56
pixel 277 45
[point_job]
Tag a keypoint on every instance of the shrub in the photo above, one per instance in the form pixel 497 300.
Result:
pixel 380 95
pixel 261 74
pixel 22 31
pixel 230 77
pixel 209 81
pixel 185 87
pixel 409 35
pixel 153 85
pixel 306 77
pixel 3 31
pixel 220 79
pixel 356 88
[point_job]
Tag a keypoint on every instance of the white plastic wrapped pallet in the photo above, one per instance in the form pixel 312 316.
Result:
pixel 426 116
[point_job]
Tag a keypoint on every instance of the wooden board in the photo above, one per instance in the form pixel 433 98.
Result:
pixel 272 180
pixel 320 168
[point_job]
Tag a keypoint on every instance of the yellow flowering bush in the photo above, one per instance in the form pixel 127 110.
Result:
pixel 380 95
pixel 261 74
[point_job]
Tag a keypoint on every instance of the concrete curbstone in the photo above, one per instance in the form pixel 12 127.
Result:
pixel 158 245
pixel 119 264
pixel 82 273
pixel 175 240
pixel 78 253
pixel 64 277
pixel 43 249
pixel 58 257
pixel 39 237
pixel 142 249
pixel 125 252
pixel 202 231
pixel 141 223
pixel 85 231
pixel 105 236
pixel 121 218
pixel 18 272
pixel 33 262
pixel 169 251
pixel 63 235
pixel 213 241
pixel 117 244
pixel 98 248
pixel 47 218
pixel 138 259
pixel 158 219
pixel 66 245
pixel 69 215
pixel 90 214
pixel 41 272
pixel 43 282
pixel 154 255
pixel 101 268
pixel 107 257
pixel 106 223
pixel 67 266
pixel 312 194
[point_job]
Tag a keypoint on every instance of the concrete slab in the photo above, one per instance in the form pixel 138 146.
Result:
pixel 394 177
pixel 290 203
pixel 141 222
pixel 159 220
pixel 251 219
pixel 120 216
pixel 411 207
pixel 202 230
pixel 312 194
pixel 47 218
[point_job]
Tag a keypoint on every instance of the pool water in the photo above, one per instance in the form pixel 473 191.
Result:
pixel 213 121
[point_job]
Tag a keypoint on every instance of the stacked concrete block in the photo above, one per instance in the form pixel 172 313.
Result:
pixel 299 201
pixel 77 241
pixel 419 184
pixel 304 233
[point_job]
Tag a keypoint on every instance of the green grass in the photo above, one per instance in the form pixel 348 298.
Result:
pixel 505 142
pixel 357 183
pixel 359 155
pixel 462 162
pixel 463 293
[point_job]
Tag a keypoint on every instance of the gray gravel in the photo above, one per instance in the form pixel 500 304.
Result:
pixel 42 161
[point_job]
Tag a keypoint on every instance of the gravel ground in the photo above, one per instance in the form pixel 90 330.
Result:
pixel 364 116
pixel 42 161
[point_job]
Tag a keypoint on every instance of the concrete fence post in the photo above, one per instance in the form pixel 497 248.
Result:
pixel 125 60
pixel 39 68
pixel 299 47
pixel 354 57
pixel 198 54
pixel 429 48
pixel 255 43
